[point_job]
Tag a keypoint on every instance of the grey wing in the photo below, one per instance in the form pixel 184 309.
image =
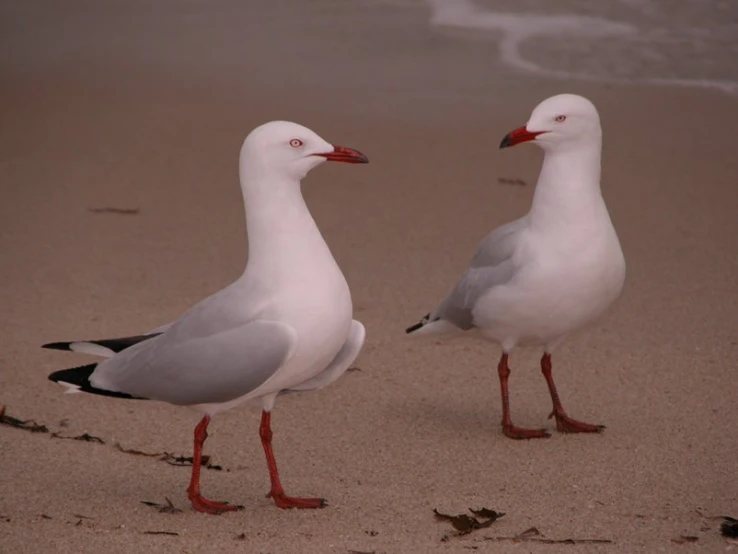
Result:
pixel 214 313
pixel 201 370
pixel 338 366
pixel 160 329
pixel 491 266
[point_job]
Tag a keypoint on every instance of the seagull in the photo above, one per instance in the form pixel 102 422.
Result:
pixel 284 326
pixel 535 280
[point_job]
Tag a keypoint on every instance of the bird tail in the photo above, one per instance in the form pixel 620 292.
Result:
pixel 425 320
pixel 77 379
pixel 432 325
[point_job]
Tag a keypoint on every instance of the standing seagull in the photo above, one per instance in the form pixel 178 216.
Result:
pixel 284 326
pixel 534 280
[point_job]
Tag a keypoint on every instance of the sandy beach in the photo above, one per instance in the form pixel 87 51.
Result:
pixel 145 108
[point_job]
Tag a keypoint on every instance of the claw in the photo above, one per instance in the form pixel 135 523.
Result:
pixel 565 424
pixel 212 507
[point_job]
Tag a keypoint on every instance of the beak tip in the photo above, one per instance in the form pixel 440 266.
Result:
pixel 505 142
pixel 347 155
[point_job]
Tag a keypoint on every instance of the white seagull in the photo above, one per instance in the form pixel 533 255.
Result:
pixel 535 280
pixel 284 326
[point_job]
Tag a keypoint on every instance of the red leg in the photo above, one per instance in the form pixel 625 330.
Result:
pixel 564 423
pixel 276 491
pixel 507 427
pixel 193 491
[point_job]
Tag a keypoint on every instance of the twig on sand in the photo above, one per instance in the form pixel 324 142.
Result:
pixel 171 459
pixel 85 437
pixel 167 508
pixel 26 425
pixel 532 534
pixel 508 181
pixel 34 427
pixel 685 539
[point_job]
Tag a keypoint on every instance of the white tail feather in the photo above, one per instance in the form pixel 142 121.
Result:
pixel 71 389
pixel 91 348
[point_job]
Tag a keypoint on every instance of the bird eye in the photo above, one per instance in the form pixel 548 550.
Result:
pixel 559 118
pixel 294 143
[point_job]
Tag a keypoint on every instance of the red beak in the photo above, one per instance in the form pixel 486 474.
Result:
pixel 343 154
pixel 516 136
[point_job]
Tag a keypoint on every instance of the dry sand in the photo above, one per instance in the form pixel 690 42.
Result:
pixel 132 109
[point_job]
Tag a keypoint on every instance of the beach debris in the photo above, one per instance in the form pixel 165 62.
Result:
pixel 172 533
pixel 118 446
pixel 167 508
pixel 532 534
pixel 45 516
pixel 486 513
pixel 729 527
pixel 188 461
pixel 114 210
pixel 34 427
pixel 514 181
pixel 355 368
pixel 27 425
pixel 171 459
pixel 241 537
pixel 85 437
pixel 685 539
pixel 464 523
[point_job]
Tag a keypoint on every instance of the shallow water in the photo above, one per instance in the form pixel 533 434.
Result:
pixel 685 43
pixel 405 60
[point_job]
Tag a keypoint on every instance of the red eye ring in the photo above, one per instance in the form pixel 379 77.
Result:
pixel 296 143
pixel 559 118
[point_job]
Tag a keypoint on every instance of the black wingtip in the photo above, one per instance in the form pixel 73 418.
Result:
pixel 80 377
pixel 57 345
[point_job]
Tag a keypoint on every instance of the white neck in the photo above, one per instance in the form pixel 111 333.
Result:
pixel 568 186
pixel 284 241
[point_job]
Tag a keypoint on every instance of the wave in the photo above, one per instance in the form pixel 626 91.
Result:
pixel 515 29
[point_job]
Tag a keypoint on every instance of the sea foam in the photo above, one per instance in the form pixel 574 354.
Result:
pixel 513 30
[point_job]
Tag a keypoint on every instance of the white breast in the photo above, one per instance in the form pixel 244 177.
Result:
pixel 561 286
pixel 318 307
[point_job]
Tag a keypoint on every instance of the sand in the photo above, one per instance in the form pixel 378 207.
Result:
pixel 136 108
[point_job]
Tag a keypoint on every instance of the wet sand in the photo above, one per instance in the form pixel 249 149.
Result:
pixel 137 110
